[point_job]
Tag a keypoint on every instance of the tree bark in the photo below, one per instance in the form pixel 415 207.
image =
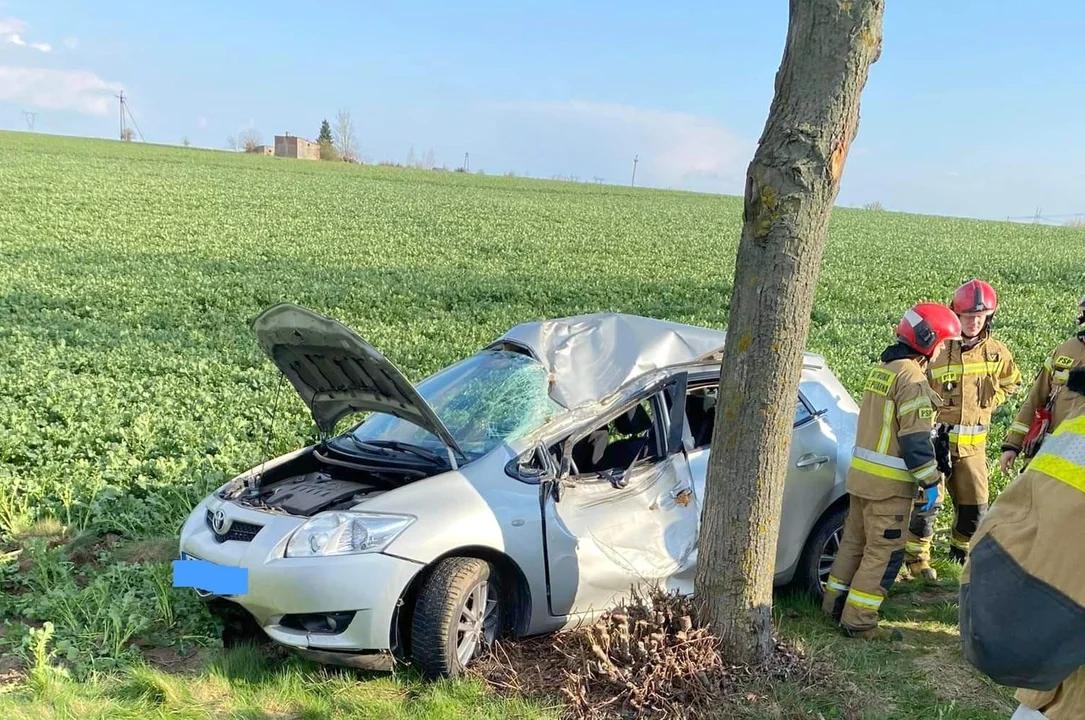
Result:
pixel 791 185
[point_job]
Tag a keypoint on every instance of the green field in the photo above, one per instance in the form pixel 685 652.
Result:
pixel 131 385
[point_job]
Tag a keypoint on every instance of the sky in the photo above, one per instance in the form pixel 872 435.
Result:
pixel 974 109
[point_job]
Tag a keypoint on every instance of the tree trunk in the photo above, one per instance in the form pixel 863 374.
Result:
pixel 791 186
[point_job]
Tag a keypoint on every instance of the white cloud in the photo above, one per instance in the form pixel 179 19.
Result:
pixel 11 27
pixel 11 32
pixel 78 90
pixel 674 149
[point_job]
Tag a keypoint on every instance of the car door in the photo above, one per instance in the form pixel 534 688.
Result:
pixel 810 475
pixel 606 531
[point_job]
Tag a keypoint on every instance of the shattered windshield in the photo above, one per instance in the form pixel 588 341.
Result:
pixel 487 399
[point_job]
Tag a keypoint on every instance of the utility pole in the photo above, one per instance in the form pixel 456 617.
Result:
pixel 30 117
pixel 634 180
pixel 466 162
pixel 121 98
pixel 124 107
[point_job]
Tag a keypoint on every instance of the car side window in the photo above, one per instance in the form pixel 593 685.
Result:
pixel 802 413
pixel 625 439
pixel 701 414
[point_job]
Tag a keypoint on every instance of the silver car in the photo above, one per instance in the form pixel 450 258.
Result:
pixel 523 489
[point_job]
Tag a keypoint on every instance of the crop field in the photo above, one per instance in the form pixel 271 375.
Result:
pixel 131 385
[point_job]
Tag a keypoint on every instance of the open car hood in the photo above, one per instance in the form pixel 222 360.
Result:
pixel 337 373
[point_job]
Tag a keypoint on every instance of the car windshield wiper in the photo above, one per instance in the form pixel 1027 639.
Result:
pixel 405 447
pixel 386 448
pixel 366 446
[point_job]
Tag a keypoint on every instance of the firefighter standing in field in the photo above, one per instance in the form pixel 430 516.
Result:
pixel 973 378
pixel 893 462
pixel 1046 402
pixel 1022 597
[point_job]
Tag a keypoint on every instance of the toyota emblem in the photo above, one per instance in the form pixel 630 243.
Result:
pixel 218 523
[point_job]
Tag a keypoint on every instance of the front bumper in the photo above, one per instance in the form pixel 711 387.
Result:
pixel 369 585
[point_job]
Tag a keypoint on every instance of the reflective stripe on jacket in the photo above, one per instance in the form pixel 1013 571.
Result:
pixel 1051 378
pixel 1022 608
pixel 893 448
pixel 972 383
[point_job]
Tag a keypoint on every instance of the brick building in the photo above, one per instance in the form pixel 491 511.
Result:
pixel 291 146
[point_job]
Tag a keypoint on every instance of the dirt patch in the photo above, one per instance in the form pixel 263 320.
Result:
pixel 84 550
pixel 171 660
pixel 158 550
pixel 646 660
pixel 12 671
pixel 951 680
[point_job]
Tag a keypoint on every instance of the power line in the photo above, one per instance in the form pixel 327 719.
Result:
pixel 126 108
pixel 30 117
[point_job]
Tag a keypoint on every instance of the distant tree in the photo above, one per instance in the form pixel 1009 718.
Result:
pixel 186 142
pixel 231 142
pixel 251 139
pixel 326 142
pixel 411 161
pixel 428 161
pixel 127 134
pixel 345 142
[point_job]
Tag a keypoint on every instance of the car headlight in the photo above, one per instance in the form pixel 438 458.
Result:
pixel 345 533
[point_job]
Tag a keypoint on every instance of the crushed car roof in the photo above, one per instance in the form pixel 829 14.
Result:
pixel 591 356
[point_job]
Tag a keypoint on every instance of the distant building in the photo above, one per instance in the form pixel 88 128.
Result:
pixel 291 146
pixel 264 150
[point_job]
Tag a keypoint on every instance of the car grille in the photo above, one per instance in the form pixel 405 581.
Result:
pixel 240 531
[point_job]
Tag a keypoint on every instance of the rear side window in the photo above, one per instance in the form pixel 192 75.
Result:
pixel 701 414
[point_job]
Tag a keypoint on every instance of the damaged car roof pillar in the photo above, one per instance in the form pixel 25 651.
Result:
pixel 337 373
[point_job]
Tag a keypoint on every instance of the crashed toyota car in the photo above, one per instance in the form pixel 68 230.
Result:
pixel 521 490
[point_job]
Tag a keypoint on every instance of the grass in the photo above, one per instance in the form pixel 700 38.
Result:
pixel 130 384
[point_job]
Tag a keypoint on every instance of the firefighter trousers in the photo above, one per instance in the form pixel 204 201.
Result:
pixel 866 566
pixel 967 489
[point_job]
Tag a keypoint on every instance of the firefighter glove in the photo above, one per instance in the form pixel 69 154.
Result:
pixel 930 496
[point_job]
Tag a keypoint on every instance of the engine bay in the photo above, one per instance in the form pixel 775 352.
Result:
pixel 313 483
pixel 314 492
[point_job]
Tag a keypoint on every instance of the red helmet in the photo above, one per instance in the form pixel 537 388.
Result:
pixel 975 296
pixel 926 326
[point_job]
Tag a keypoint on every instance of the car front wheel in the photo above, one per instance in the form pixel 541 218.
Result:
pixel 458 611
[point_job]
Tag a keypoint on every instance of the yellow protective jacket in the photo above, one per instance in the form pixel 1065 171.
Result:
pixel 1050 379
pixel 972 383
pixel 1022 598
pixel 893 452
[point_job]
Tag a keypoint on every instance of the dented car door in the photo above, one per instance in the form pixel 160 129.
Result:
pixel 606 533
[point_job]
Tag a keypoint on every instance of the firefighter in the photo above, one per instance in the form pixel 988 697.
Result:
pixel 1022 596
pixel 1046 404
pixel 893 462
pixel 973 378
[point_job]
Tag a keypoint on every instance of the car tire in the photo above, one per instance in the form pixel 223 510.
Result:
pixel 447 628
pixel 821 548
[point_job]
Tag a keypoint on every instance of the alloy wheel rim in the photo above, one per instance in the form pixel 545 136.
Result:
pixel 828 555
pixel 477 622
